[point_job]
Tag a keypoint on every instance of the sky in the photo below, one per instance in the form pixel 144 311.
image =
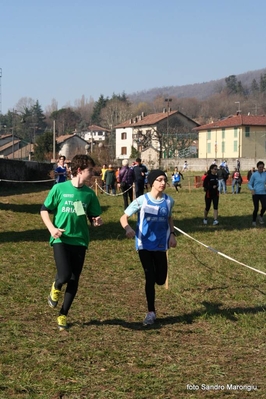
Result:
pixel 65 49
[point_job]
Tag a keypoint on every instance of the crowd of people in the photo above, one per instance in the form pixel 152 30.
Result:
pixel 72 202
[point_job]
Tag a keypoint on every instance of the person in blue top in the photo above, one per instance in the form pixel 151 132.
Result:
pixel 176 178
pixel 257 185
pixel 154 235
pixel 61 170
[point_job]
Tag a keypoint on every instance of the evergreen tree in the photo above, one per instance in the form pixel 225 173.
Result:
pixel 43 148
pixel 254 88
pixel 98 106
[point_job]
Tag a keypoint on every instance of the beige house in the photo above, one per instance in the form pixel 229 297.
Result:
pixel 71 145
pixel 154 130
pixel 237 136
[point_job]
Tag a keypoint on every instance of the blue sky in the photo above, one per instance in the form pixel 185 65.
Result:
pixel 65 49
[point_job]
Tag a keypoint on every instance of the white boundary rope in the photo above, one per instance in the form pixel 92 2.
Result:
pixel 113 195
pixel 218 252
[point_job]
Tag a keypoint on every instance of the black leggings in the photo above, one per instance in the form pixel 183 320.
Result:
pixel 258 198
pixel 154 264
pixel 69 260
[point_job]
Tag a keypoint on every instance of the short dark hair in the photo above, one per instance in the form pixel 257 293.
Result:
pixel 138 160
pixel 81 161
pixel 260 163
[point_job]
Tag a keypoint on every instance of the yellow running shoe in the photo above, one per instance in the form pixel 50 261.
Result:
pixel 53 297
pixel 62 322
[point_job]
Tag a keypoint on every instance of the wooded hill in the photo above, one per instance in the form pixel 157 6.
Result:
pixel 200 91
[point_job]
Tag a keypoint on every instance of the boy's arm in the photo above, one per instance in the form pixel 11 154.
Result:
pixel 54 231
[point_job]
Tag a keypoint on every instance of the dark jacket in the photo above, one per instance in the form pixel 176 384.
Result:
pixel 222 174
pixel 109 177
pixel 139 172
pixel 210 185
pixel 126 175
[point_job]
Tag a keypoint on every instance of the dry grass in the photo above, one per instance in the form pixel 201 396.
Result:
pixel 211 320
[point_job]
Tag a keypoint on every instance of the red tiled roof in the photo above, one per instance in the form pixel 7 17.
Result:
pixel 148 120
pixel 235 120
pixel 63 138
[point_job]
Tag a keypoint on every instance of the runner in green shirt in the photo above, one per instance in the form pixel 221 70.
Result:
pixel 71 203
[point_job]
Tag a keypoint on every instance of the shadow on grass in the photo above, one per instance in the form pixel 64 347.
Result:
pixel 21 208
pixel 8 189
pixel 25 235
pixel 211 309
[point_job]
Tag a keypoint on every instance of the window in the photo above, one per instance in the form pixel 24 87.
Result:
pixel 208 148
pixel 247 131
pixel 235 146
pixel 223 133
pixel 123 150
pixel 223 146
pixel 235 132
pixel 209 135
pixel 123 136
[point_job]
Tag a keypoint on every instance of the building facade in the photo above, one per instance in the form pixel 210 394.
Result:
pixel 237 136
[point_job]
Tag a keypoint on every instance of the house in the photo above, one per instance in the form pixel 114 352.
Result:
pixel 162 131
pixel 13 147
pixel 96 133
pixel 237 136
pixel 72 144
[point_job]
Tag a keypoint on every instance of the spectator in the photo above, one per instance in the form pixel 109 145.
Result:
pixel 126 177
pixel 250 172
pixel 139 177
pixel 109 179
pixel 104 168
pixel 236 181
pixel 222 177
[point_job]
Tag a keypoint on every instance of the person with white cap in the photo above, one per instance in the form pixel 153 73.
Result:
pixel 154 235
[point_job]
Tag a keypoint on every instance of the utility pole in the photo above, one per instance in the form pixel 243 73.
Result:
pixel 167 128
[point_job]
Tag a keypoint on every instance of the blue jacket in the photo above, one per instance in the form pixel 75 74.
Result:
pixel 258 182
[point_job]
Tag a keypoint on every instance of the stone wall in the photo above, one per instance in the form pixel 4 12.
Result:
pixel 11 169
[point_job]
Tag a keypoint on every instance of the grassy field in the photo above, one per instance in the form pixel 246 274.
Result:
pixel 208 341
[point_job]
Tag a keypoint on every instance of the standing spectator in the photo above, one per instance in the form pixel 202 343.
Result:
pixel 250 172
pixel 153 236
pixel 104 168
pixel 236 181
pixel 210 185
pixel 117 179
pixel 126 176
pixel 109 179
pixel 139 177
pixel 222 177
pixel 72 203
pixel 238 164
pixel 257 185
pixel 61 170
pixel 176 178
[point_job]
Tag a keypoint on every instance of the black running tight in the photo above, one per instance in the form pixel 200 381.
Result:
pixel 154 264
pixel 69 260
